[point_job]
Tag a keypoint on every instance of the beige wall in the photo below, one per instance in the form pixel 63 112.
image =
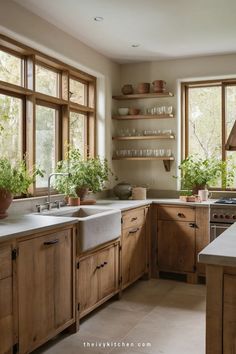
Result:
pixel 172 71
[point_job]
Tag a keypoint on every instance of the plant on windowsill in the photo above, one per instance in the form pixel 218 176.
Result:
pixel 85 175
pixel 198 173
pixel 15 178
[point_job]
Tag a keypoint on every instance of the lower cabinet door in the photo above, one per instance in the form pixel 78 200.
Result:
pixel 176 246
pixel 133 254
pixel 45 287
pixel 108 271
pixel 6 316
pixel 88 282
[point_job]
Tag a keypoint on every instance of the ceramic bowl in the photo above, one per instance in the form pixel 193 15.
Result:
pixel 123 111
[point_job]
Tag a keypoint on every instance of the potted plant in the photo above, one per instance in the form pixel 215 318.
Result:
pixel 73 199
pixel 85 175
pixel 198 173
pixel 14 179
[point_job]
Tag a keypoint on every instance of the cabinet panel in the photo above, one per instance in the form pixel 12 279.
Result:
pixel 133 254
pixel 45 287
pixel 88 282
pixel 133 218
pixel 5 262
pixel 109 271
pixel 6 315
pixel 229 315
pixel 176 246
pixel 167 212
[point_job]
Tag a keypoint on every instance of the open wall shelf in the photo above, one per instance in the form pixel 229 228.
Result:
pixel 145 137
pixel 143 95
pixel 144 116
pixel 166 160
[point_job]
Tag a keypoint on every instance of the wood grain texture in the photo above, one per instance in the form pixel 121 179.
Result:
pixel 176 246
pixel 229 315
pixel 214 310
pixel 45 287
pixel 133 218
pixel 6 315
pixel 5 262
pixel 202 234
pixel 179 213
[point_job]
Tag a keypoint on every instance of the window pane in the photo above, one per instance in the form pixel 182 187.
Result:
pixel 46 81
pixel 10 68
pixel 10 127
pixel 205 121
pixel 230 116
pixel 77 131
pixel 45 142
pixel 78 92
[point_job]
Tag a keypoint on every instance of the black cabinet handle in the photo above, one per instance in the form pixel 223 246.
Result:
pixel 191 224
pixel 180 215
pixel 105 263
pixel 133 231
pixel 133 219
pixel 98 267
pixel 53 242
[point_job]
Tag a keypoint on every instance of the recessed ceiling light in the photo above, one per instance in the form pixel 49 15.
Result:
pixel 98 18
pixel 135 45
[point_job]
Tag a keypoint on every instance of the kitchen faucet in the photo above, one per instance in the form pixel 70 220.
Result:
pixel 49 185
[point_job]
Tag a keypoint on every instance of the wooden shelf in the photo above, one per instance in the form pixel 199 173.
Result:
pixel 166 160
pixel 137 96
pixel 144 137
pixel 144 116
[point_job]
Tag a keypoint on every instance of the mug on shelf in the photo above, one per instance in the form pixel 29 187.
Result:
pixel 204 195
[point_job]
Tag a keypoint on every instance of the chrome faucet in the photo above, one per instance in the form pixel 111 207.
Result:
pixel 49 185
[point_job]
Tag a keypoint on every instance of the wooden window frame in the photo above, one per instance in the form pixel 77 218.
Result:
pixel 30 58
pixel 185 86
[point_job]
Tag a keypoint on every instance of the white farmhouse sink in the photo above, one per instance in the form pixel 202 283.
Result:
pixel 95 225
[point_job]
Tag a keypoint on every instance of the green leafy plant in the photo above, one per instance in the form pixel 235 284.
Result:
pixel 16 178
pixel 91 173
pixel 196 171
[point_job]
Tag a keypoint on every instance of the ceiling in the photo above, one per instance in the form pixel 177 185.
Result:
pixel 165 29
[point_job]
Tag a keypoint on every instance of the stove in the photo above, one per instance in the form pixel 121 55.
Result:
pixel 222 215
pixel 227 201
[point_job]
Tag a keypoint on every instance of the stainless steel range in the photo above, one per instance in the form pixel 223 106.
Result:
pixel 222 215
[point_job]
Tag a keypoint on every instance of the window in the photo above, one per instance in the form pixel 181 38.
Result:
pixel 78 92
pixel 46 81
pixel 77 129
pixel 11 127
pixel 209 113
pixel 45 142
pixel 50 105
pixel 11 68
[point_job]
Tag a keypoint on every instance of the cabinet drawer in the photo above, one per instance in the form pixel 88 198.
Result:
pixel 176 213
pixel 5 262
pixel 133 218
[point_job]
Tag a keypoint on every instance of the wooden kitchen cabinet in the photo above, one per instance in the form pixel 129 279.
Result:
pixel 6 300
pixel 176 246
pixel 97 276
pixel 135 245
pixel 46 287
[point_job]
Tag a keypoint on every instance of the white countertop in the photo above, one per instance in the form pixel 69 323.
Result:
pixel 18 225
pixel 22 225
pixel 221 251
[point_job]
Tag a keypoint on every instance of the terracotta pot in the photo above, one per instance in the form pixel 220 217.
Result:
pixel 74 201
pixel 134 111
pixel 5 202
pixel 143 87
pixel 159 86
pixel 127 89
pixel 82 192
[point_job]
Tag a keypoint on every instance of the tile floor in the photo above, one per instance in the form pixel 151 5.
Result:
pixel 153 317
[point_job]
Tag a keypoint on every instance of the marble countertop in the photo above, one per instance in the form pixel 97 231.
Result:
pixel 221 251
pixel 23 225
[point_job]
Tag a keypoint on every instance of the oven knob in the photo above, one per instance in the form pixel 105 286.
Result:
pixel 221 216
pixel 234 216
pixel 227 216
pixel 215 216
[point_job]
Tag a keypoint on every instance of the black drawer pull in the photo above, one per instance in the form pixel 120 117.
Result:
pixel 191 224
pixel 53 242
pixel 133 219
pixel 181 215
pixel 133 231
pixel 103 264
pixel 98 267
